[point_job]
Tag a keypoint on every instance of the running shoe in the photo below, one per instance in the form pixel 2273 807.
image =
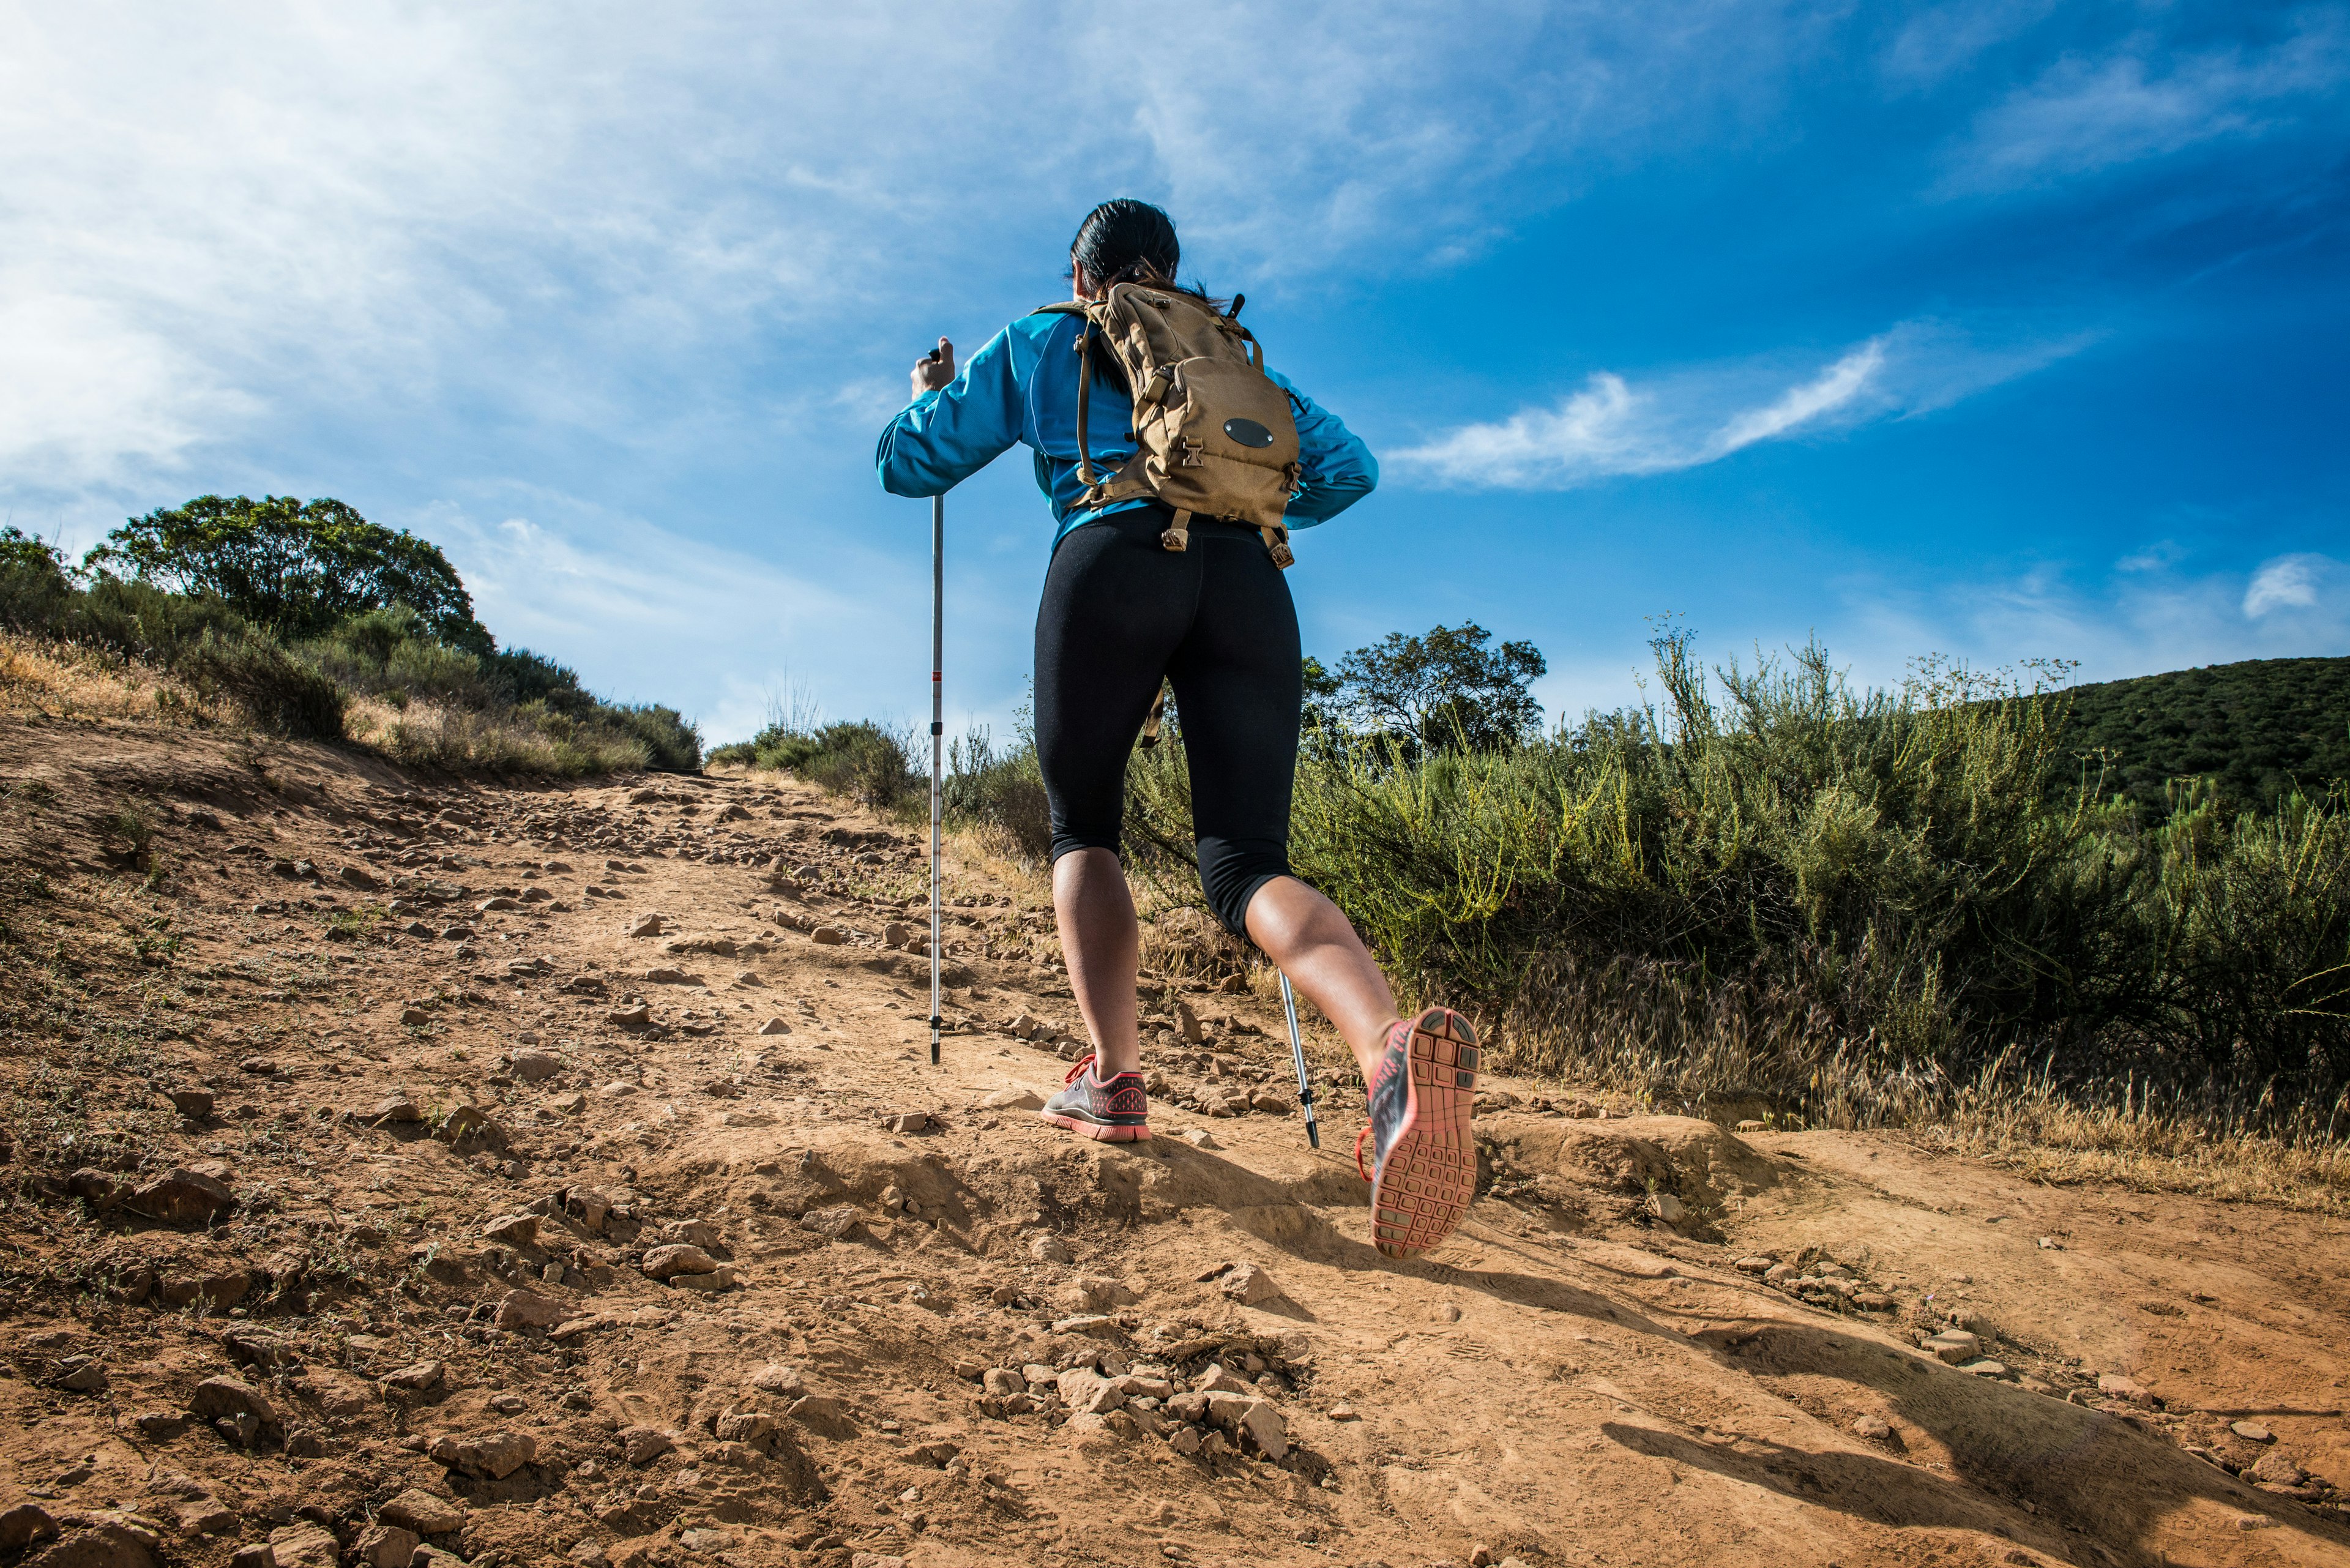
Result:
pixel 1423 1164
pixel 1117 1111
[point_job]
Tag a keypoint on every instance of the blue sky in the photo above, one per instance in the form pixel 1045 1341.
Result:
pixel 2001 330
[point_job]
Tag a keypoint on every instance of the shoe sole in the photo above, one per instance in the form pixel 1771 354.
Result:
pixel 1429 1176
pixel 1103 1131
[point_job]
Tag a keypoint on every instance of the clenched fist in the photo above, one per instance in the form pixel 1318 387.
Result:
pixel 934 369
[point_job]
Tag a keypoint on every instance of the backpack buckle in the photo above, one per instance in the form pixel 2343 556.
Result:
pixel 1192 451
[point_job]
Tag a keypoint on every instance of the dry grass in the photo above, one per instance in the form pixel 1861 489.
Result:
pixel 2046 1138
pixel 46 679
pixel 459 740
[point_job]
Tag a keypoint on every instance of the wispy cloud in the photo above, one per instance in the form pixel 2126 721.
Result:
pixel 1941 41
pixel 2287 582
pixel 2085 114
pixel 236 216
pixel 2130 622
pixel 626 603
pixel 1609 428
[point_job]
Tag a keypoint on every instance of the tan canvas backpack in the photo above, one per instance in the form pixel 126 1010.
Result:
pixel 1213 434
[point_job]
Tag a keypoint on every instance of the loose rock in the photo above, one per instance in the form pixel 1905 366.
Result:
pixel 415 1377
pixel 679 1258
pixel 491 1455
pixel 1249 1286
pixel 425 1514
pixel 181 1197
pixel 217 1397
pixel 306 1546
pixel 523 1309
pixel 385 1547
pixel 23 1522
pixel 640 1446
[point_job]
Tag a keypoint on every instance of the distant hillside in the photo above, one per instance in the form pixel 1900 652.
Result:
pixel 2256 727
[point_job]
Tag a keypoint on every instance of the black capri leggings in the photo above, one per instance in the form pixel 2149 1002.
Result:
pixel 1119 612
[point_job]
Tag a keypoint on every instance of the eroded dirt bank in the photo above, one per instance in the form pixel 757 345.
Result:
pixel 384 1182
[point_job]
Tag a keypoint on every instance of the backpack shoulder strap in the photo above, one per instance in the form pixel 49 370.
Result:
pixel 1083 313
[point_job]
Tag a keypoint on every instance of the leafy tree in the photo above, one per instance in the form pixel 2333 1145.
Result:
pixel 1447 690
pixel 1322 690
pixel 298 569
pixel 33 585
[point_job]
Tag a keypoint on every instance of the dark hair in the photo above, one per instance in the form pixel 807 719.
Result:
pixel 1126 241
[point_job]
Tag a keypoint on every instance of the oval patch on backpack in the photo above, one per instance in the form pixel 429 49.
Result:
pixel 1248 432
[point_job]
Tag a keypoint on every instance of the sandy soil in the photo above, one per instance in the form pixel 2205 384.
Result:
pixel 395 1278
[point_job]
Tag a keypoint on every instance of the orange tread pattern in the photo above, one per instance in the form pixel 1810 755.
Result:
pixel 1096 1130
pixel 1429 1176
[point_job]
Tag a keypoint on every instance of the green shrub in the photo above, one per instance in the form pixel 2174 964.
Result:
pixel 393 650
pixel 858 759
pixel 462 704
pixel 669 741
pixel 139 622
pixel 1843 902
pixel 1002 785
pixel 393 654
pixel 273 688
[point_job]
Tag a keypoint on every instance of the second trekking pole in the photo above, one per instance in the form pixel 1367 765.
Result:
pixel 1298 1050
pixel 938 740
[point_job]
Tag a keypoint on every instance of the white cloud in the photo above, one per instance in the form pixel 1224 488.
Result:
pixel 1833 388
pixel 1941 41
pixel 234 217
pixel 1609 428
pixel 2157 556
pixel 2083 114
pixel 2289 582
pixel 2133 622
pixel 645 614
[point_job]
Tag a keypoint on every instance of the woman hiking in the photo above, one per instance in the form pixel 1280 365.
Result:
pixel 1140 590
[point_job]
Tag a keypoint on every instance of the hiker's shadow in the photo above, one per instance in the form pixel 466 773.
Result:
pixel 2067 1467
pixel 1882 1491
pixel 2081 1471
pixel 1289 1215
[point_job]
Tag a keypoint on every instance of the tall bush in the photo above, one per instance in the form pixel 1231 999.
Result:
pixel 1774 883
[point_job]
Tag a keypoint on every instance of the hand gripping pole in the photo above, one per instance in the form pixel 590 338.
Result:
pixel 1297 1052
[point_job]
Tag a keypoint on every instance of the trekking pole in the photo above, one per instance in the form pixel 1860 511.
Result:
pixel 938 742
pixel 1298 1050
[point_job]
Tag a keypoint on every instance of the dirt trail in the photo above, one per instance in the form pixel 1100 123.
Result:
pixel 399 1285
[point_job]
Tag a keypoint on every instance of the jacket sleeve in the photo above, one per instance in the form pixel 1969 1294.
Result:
pixel 943 438
pixel 1337 469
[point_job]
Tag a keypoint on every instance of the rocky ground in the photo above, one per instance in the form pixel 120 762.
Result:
pixel 405 1170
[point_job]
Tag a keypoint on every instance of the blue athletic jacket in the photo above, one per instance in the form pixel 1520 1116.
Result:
pixel 1021 386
